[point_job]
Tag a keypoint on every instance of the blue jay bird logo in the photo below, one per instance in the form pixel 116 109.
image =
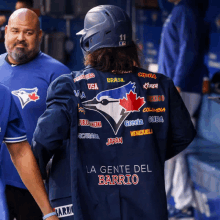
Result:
pixel 26 95
pixel 116 104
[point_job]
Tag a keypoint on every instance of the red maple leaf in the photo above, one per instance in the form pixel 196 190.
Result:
pixel 33 96
pixel 132 104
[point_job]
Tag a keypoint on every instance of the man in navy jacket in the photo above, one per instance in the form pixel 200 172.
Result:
pixel 121 123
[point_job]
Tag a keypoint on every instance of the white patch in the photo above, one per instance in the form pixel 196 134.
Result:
pixel 150 86
pixel 64 211
pixel 155 119
pixel 88 136
pixel 129 123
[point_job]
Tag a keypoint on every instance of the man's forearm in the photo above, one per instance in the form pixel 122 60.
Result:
pixel 29 172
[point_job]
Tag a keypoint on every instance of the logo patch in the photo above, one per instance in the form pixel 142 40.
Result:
pixel 116 104
pixel 155 119
pixel 78 94
pixel 113 80
pixel 64 211
pixel 122 43
pixel 147 75
pixel 88 136
pixel 141 132
pixel 150 86
pixel 155 98
pixel 82 76
pixel 129 123
pixel 121 179
pixel 92 124
pixel 112 141
pixel 26 95
pixel 81 109
pixel 92 86
pixel 154 109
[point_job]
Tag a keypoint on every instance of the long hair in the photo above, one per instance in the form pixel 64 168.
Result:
pixel 114 59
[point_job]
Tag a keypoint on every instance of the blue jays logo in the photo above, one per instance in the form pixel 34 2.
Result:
pixel 116 104
pixel 26 95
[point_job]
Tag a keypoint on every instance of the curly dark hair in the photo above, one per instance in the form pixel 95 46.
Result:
pixel 114 59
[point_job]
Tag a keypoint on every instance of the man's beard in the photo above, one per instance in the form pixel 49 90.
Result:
pixel 21 55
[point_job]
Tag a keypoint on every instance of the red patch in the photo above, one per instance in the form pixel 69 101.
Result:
pixel 33 96
pixel 132 103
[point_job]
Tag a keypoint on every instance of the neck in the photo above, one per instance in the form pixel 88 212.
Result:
pixel 12 61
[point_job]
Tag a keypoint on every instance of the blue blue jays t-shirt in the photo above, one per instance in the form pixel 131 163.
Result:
pixel 121 128
pixel 28 84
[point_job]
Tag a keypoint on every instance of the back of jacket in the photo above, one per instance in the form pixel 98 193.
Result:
pixel 127 126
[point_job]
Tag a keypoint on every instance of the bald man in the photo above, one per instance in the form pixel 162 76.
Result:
pixel 27 72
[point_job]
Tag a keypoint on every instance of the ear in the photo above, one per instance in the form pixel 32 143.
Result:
pixel 6 29
pixel 40 35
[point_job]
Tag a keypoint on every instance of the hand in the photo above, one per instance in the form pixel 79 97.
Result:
pixel 178 89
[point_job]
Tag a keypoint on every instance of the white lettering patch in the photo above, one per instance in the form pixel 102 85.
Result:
pixel 150 86
pixel 155 119
pixel 64 211
pixel 129 123
pixel 92 86
pixel 88 136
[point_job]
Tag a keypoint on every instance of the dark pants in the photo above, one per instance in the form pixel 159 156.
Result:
pixel 21 204
pixel 63 208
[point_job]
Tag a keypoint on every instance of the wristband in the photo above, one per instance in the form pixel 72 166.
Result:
pixel 48 215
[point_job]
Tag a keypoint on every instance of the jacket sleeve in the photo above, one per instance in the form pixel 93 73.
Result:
pixel 187 28
pixel 53 126
pixel 181 128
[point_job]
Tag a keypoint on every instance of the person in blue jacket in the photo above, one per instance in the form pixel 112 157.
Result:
pixel 12 132
pixel 120 122
pixel 27 72
pixel 181 57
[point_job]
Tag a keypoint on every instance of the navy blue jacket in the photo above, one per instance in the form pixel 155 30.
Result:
pixel 120 130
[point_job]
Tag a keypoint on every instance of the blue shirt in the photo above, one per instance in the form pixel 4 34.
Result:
pixel 181 54
pixel 11 131
pixel 11 125
pixel 28 84
pixel 120 130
